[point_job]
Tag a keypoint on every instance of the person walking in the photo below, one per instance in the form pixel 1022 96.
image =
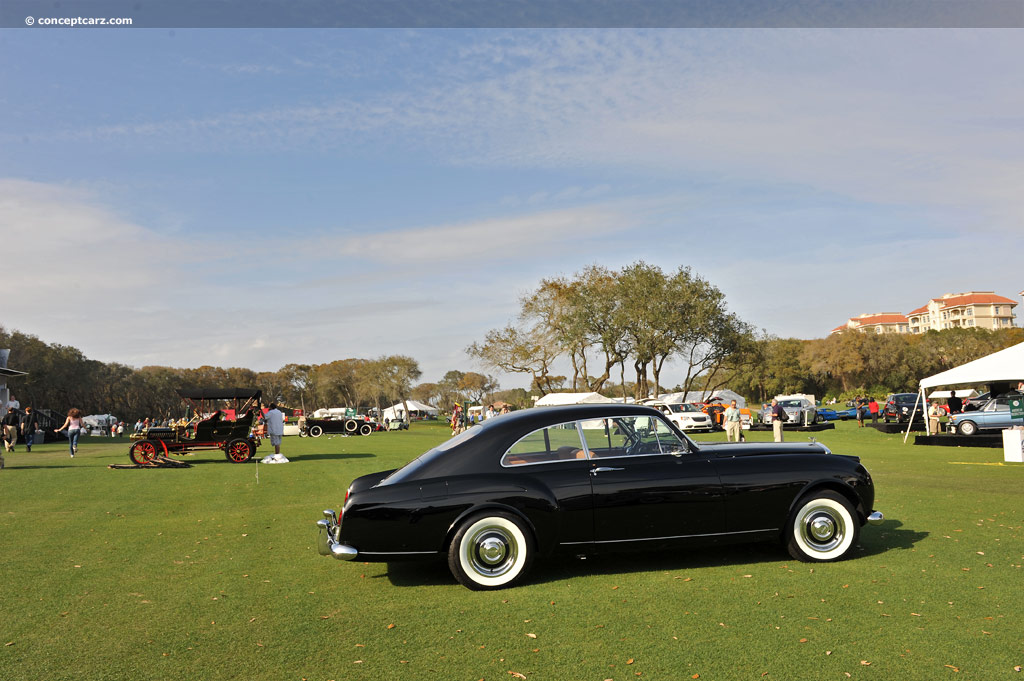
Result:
pixel 861 402
pixel 778 418
pixel 10 424
pixel 732 422
pixel 873 410
pixel 74 425
pixel 29 425
pixel 274 420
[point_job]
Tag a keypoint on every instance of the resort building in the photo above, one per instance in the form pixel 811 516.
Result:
pixel 875 322
pixel 978 309
pixel 975 309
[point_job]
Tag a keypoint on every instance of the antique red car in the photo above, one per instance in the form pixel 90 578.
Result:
pixel 209 428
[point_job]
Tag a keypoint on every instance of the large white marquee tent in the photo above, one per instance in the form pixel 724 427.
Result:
pixel 1005 366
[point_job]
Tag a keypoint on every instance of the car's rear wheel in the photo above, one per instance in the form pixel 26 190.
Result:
pixel 365 429
pixel 142 452
pixel 351 426
pixel 238 450
pixel 491 551
pixel 823 528
pixel 316 431
pixel 967 428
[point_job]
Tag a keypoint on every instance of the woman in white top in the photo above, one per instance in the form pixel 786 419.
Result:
pixel 74 425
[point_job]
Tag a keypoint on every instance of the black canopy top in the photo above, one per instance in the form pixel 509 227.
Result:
pixel 220 393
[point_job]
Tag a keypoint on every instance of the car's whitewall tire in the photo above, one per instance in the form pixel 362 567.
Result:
pixel 491 551
pixel 824 527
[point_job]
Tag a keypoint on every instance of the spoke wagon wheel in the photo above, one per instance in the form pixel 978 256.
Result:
pixel 143 452
pixel 238 450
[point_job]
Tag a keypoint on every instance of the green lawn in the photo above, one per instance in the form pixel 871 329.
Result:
pixel 203 573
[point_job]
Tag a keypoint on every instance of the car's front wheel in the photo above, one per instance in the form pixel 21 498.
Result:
pixel 491 551
pixel 316 431
pixel 967 428
pixel 823 528
pixel 365 429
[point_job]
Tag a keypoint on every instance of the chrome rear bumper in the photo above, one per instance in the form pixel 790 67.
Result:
pixel 876 518
pixel 328 542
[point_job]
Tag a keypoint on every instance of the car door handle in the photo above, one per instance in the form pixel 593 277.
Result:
pixel 604 469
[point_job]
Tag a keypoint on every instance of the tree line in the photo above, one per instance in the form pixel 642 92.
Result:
pixel 851 362
pixel 60 377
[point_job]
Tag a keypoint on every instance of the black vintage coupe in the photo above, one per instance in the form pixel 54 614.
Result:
pixel 591 477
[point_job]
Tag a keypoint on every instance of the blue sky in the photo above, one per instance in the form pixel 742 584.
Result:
pixel 259 197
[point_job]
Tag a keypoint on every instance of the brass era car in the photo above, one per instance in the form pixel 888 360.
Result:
pixel 589 478
pixel 214 431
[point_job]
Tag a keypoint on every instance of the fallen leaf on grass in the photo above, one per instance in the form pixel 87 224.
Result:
pixel 629 661
pixel 532 635
pixel 1016 669
pixel 949 666
pixel 516 675
pixel 11 643
pixel 391 626
pixel 865 663
pixel 803 640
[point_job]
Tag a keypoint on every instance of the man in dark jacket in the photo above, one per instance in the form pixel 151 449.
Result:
pixel 10 426
pixel 29 425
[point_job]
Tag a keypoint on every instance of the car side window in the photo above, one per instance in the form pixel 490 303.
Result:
pixel 554 443
pixel 624 436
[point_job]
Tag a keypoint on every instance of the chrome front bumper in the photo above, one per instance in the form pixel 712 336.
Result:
pixel 328 540
pixel 876 518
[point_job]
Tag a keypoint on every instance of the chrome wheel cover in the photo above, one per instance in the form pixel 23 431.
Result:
pixel 821 528
pixel 490 550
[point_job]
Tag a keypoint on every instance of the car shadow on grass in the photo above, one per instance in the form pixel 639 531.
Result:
pixel 873 541
pixel 292 459
pixel 885 537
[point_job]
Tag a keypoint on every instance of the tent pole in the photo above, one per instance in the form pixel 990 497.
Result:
pixel 910 421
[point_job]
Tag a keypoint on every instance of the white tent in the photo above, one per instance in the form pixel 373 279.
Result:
pixel 1007 365
pixel 557 399
pixel 725 396
pixel 397 410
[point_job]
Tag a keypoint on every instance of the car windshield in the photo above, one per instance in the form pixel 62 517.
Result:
pixel 791 404
pixel 410 468
pixel 680 408
pixel 905 398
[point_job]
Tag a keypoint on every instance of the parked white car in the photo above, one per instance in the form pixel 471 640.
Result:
pixel 684 416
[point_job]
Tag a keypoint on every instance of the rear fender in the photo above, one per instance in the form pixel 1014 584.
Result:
pixel 492 508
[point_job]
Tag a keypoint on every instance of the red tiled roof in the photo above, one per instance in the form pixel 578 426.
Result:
pixel 875 319
pixel 973 299
pixel 838 329
pixel 920 310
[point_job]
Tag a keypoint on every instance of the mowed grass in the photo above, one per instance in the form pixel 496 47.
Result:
pixel 205 573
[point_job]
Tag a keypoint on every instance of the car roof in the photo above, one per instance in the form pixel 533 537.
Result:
pixel 476 453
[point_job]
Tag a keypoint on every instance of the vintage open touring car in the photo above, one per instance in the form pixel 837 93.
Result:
pixel 592 477
pixel 209 428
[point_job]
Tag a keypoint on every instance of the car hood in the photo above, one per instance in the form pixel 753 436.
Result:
pixel 762 448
